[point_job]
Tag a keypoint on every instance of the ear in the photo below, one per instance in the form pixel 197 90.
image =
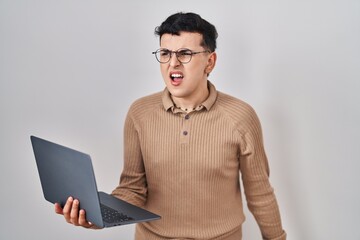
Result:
pixel 211 63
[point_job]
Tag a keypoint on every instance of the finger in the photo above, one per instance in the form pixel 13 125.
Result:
pixel 93 226
pixel 84 223
pixel 58 209
pixel 82 219
pixel 74 214
pixel 67 209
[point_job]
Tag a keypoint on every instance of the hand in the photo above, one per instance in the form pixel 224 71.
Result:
pixel 73 215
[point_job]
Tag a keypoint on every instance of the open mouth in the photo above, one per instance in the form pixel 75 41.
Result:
pixel 176 77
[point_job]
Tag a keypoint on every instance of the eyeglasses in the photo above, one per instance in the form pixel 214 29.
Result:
pixel 183 55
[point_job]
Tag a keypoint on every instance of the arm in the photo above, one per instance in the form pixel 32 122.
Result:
pixel 255 176
pixel 133 186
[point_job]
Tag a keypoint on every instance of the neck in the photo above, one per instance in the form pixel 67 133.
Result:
pixel 189 104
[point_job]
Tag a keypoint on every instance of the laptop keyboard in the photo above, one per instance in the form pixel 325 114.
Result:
pixel 110 215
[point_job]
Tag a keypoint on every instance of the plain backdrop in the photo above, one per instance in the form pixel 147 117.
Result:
pixel 69 70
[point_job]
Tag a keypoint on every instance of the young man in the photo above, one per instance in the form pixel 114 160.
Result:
pixel 186 147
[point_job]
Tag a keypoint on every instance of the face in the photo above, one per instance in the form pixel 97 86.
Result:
pixel 186 81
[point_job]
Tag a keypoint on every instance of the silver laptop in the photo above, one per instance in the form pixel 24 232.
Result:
pixel 66 172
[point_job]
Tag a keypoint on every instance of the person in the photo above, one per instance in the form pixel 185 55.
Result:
pixel 186 148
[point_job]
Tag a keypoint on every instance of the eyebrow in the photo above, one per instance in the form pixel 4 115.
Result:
pixel 180 49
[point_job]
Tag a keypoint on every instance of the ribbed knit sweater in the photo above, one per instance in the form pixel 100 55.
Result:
pixel 187 168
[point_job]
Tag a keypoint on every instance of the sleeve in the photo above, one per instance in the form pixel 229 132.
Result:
pixel 132 186
pixel 254 169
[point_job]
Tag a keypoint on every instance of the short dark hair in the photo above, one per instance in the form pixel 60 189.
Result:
pixel 189 22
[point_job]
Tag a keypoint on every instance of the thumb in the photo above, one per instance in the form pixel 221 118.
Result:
pixel 58 209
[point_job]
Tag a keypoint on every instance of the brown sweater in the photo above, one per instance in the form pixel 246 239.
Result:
pixel 187 168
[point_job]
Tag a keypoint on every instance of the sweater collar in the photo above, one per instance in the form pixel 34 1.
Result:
pixel 207 104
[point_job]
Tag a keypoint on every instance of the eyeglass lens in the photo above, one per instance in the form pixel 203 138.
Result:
pixel 184 56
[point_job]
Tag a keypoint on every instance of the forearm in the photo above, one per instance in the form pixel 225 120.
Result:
pixel 265 209
pixel 131 189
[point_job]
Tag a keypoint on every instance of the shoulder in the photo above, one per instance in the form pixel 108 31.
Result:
pixel 234 106
pixel 239 112
pixel 145 105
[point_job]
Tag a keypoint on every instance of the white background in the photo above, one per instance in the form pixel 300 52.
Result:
pixel 69 69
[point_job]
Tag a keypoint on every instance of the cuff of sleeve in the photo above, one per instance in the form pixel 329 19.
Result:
pixel 281 237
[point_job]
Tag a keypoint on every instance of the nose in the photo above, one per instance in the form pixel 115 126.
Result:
pixel 173 60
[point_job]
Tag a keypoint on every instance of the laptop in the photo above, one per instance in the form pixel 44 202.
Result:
pixel 66 172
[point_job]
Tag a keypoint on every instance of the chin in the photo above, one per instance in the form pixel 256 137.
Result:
pixel 176 92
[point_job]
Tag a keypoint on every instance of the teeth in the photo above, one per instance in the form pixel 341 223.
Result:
pixel 176 75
